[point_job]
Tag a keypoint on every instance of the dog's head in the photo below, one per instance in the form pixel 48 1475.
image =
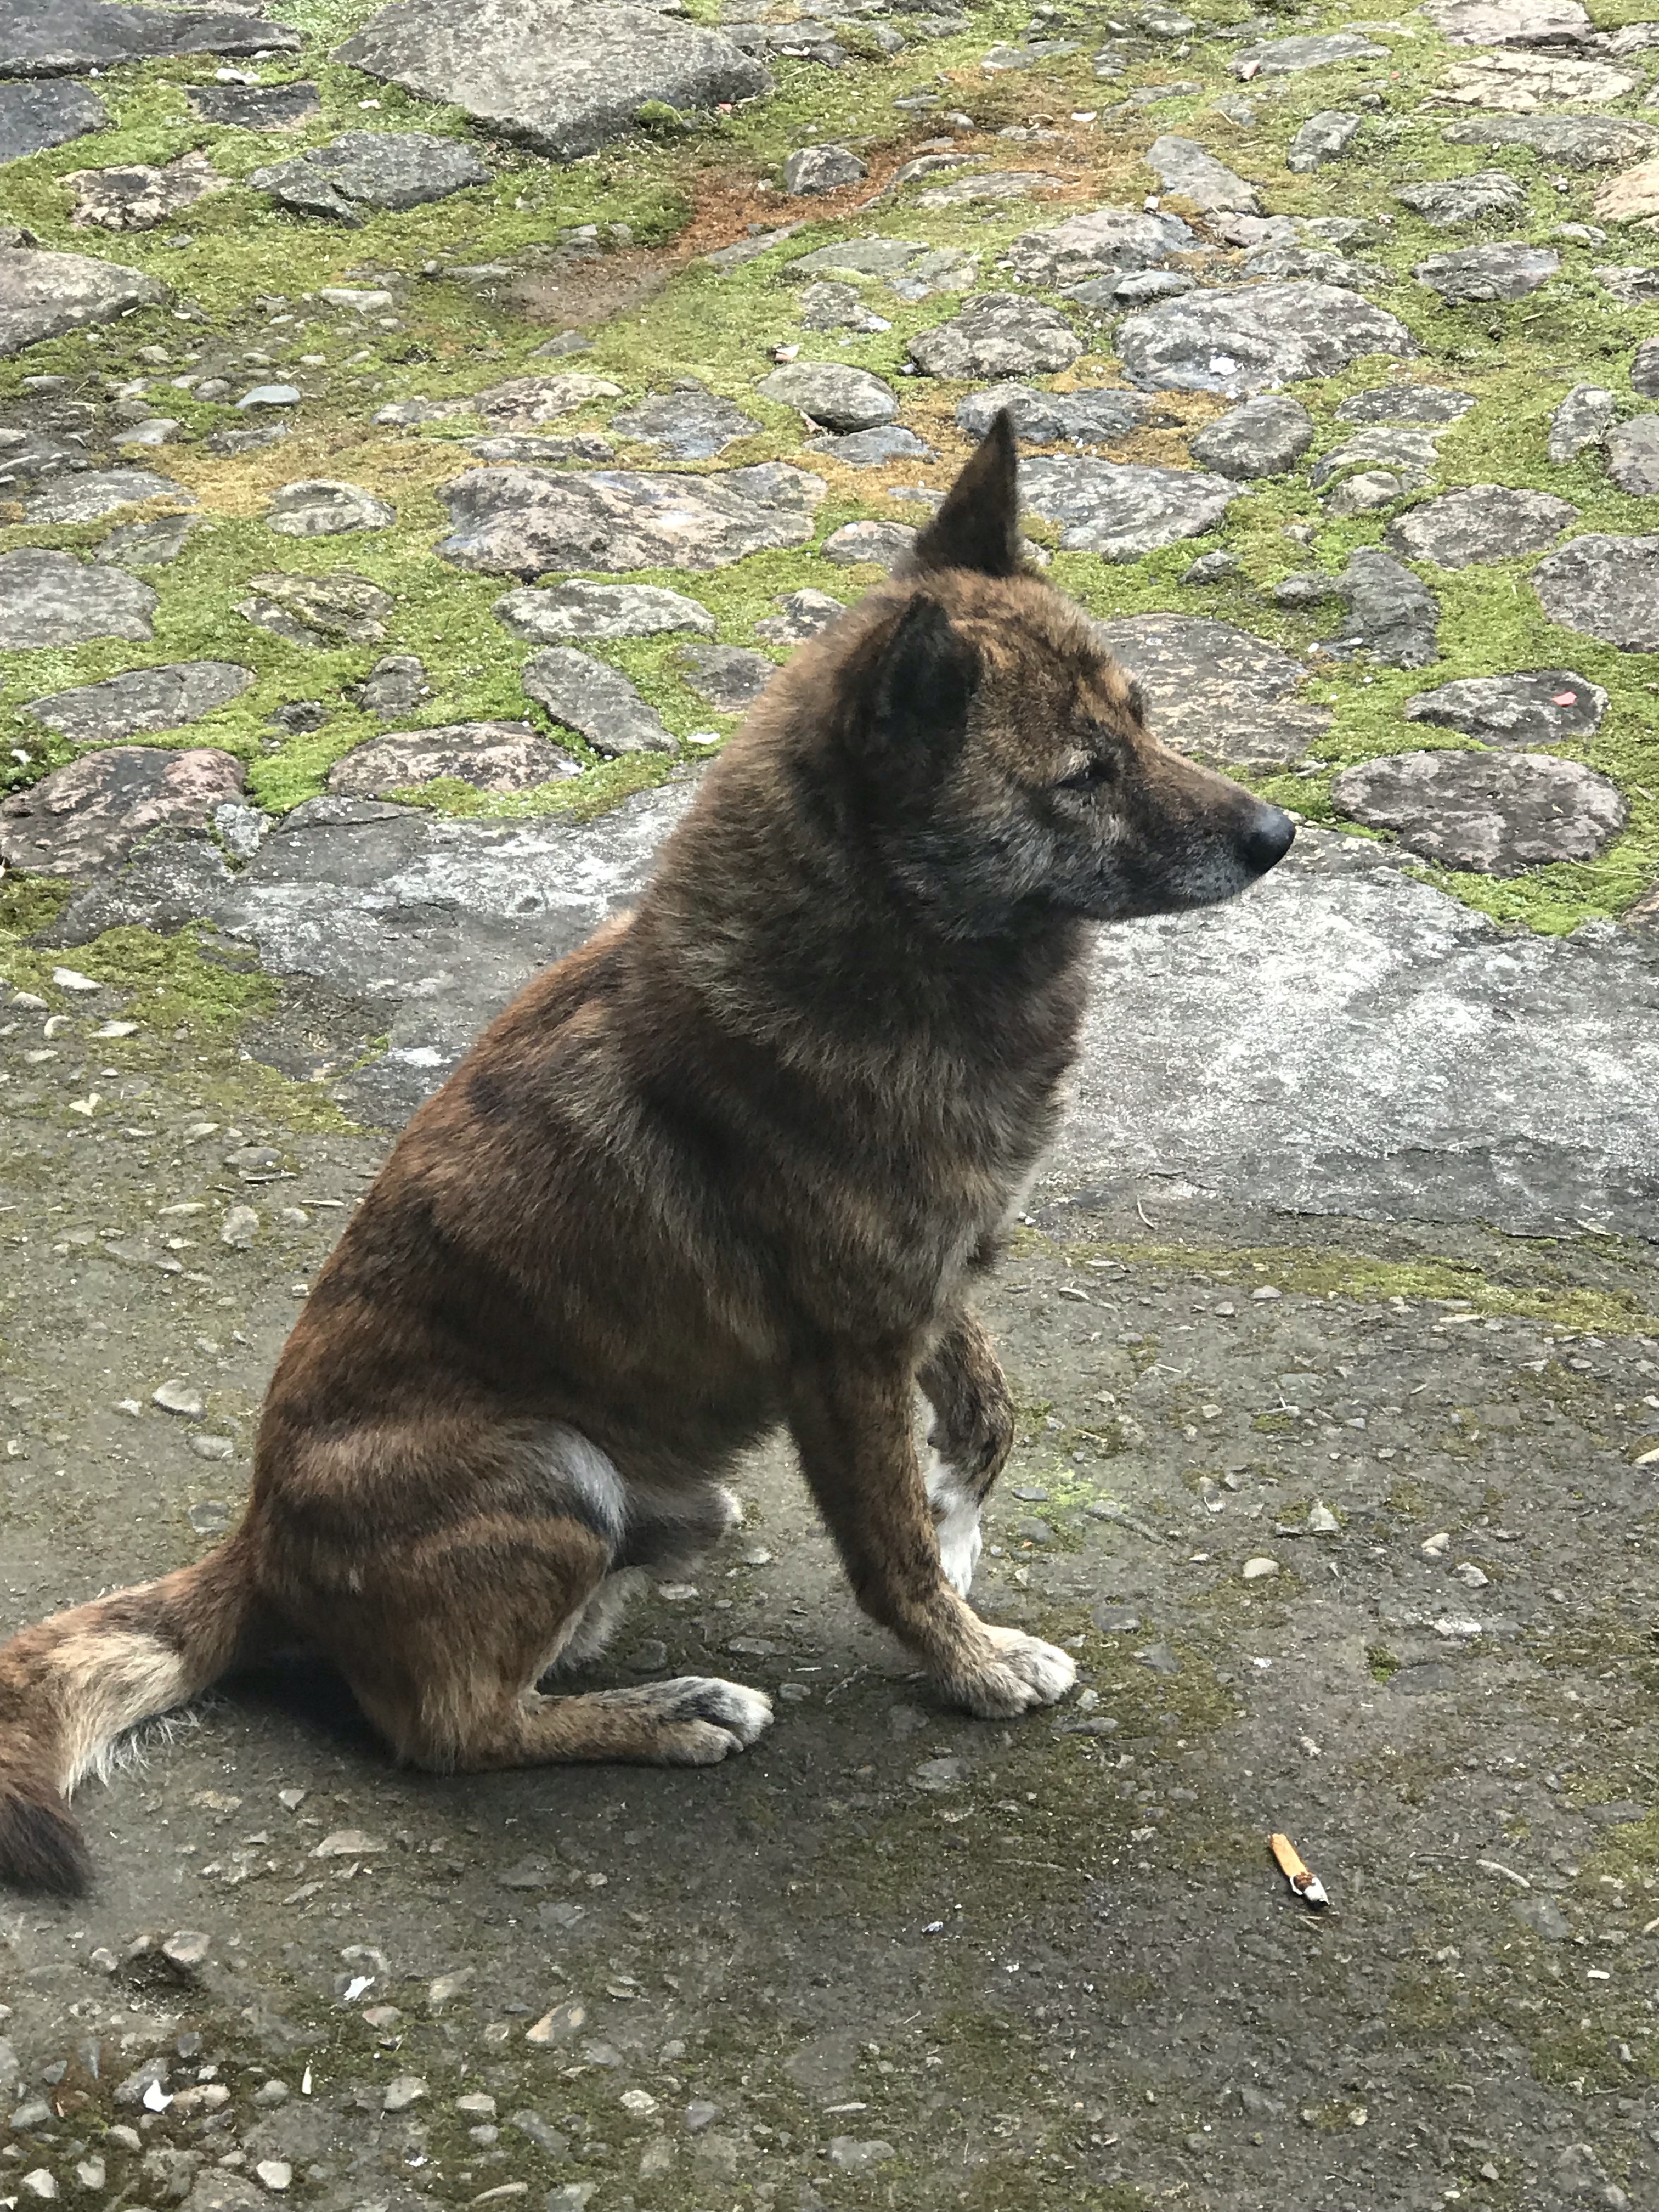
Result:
pixel 1002 755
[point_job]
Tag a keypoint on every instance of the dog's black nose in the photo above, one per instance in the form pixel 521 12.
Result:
pixel 1268 838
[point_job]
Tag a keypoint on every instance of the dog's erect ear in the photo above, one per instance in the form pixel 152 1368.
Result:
pixel 978 526
pixel 923 681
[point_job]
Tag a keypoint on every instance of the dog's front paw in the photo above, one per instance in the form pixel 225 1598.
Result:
pixel 1025 1673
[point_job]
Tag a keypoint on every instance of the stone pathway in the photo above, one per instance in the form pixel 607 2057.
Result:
pixel 423 429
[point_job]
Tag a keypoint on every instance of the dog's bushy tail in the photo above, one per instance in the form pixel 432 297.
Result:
pixel 70 1687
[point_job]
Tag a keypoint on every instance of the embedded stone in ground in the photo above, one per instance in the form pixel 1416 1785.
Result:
pixel 1324 138
pixel 52 598
pixel 1249 340
pixel 1185 167
pixel 1121 510
pixel 1216 690
pixel 997 334
pixel 1106 241
pixel 1509 23
pixel 1316 264
pixel 803 613
pixel 886 544
pixel 64 37
pixel 821 169
pixel 371 169
pixel 1632 286
pixel 148 544
pixel 1482 522
pixel 1547 706
pixel 395 686
pixel 1607 586
pixel 1633 456
pixel 1488 272
pixel 728 678
pixel 836 306
pixel 90 814
pixel 989 185
pixel 489 756
pixel 522 401
pixel 1581 420
pixel 1631 198
pixel 1318 50
pixel 317 507
pixel 1406 403
pixel 1262 438
pixel 254 107
pixel 1644 370
pixel 1392 614
pixel 859 257
pixel 35 117
pixel 144 699
pixel 830 393
pixel 523 522
pixel 318 610
pixel 871 449
pixel 596 701
pixel 561 81
pixel 693 424
pixel 1493 813
pixel 1582 142
pixel 579 609
pixel 1520 82
pixel 1045 418
pixel 543 453
pixel 1463 199
pixel 140 197
pixel 100 491
pixel 43 294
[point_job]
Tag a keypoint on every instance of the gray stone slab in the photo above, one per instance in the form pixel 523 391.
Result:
pixel 811 169
pixel 371 169
pixel 1255 339
pixel 1324 138
pixel 871 449
pixel 886 544
pixel 1104 241
pixel 693 425
pixel 319 506
pixel 489 756
pixel 141 196
pixel 1313 50
pixel 997 334
pixel 35 116
pixel 596 701
pixel 832 394
pixel 1581 141
pixel 1193 173
pixel 1633 456
pixel 729 677
pixel 255 106
pixel 1262 438
pixel 1496 814
pixel 44 294
pixel 1582 419
pixel 1051 418
pixel 1482 522
pixel 1452 200
pixel 61 38
pixel 1547 707
pixel 803 615
pixel 88 815
pixel 1393 616
pixel 1121 510
pixel 96 492
pixel 142 700
pixel 52 599
pixel 1607 586
pixel 563 78
pixel 1406 403
pixel 1509 23
pixel 1508 271
pixel 526 522
pixel 1217 691
pixel 581 610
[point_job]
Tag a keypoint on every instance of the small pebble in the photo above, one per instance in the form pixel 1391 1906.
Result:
pixel 275 2173
pixel 1259 1570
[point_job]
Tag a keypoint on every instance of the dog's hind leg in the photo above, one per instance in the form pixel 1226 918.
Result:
pixel 970 1440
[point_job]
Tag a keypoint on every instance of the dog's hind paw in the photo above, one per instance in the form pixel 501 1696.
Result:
pixel 704 1719
pixel 1026 1673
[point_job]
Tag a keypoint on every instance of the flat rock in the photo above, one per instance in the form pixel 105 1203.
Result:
pixel 872 449
pixel 143 700
pixel 1186 168
pixel 255 106
pixel 1218 691
pixel 1633 456
pixel 596 701
pixel 1547 706
pixel 148 544
pixel 543 453
pixel 1582 419
pixel 53 599
pixel 1407 449
pixel 318 610
pixel 562 79
pixel 859 257
pixel 1518 83
pixel 139 196
pixel 524 522
pixel 1631 198
pixel 1406 403
pixel 1453 200
pixel 989 185
pixel 1481 522
pixel 1509 23
pixel 489 756
pixel 1262 438
pixel 693 425
pixel 1104 241
pixel 318 507
pixel 1249 340
pixel 1580 142
pixel 1392 614
pixel 372 169
pixel 828 306
pixel 730 678
pixel 803 614
pixel 811 169
pixel 521 401
pixel 997 334
pixel 580 610
pixel 1469 273
pixel 1645 369
pixel 395 686
pixel 886 544
pixel 44 294
pixel 1121 510
pixel 100 491
pixel 61 38
pixel 1317 50
pixel 1493 813
pixel 90 814
pixel 1316 264
pixel 1324 138
pixel 1050 418
pixel 1633 286
pixel 832 394
pixel 1606 587
pixel 36 115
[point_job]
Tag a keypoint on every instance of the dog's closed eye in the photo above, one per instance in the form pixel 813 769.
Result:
pixel 1092 774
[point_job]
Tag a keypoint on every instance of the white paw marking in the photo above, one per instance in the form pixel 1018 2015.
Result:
pixel 1047 1670
pixel 956 1516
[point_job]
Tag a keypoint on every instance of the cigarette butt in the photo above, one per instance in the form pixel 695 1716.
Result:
pixel 1302 1878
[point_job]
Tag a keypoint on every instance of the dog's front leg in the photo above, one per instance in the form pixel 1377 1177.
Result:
pixel 851 1418
pixel 971 1436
